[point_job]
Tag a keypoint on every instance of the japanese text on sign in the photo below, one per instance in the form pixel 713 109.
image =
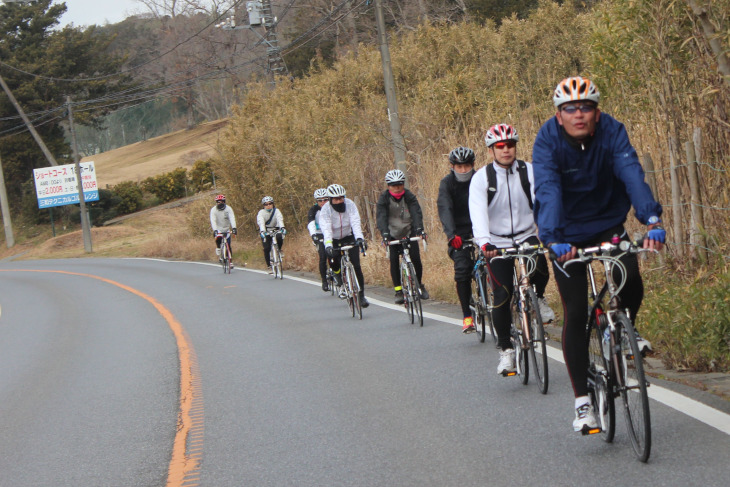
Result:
pixel 57 186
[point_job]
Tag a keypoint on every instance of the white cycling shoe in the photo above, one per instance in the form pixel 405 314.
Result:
pixel 507 363
pixel 585 419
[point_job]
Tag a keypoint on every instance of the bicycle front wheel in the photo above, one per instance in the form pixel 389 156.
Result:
pixel 600 382
pixel 521 355
pixel 353 295
pixel 405 282
pixel 414 295
pixel 225 259
pixel 279 269
pixel 538 348
pixel 632 387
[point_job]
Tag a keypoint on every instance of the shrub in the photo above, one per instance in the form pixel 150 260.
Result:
pixel 130 197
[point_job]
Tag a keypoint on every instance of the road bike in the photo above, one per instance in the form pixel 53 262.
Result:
pixel 275 254
pixel 225 251
pixel 350 288
pixel 482 294
pixel 409 280
pixel 527 331
pixel 615 368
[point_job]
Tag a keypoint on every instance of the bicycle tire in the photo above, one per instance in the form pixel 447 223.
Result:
pixel 404 286
pixel 225 261
pixel 488 306
pixel 632 388
pixel 331 281
pixel 478 308
pixel 600 381
pixel 279 268
pixel 354 293
pixel 538 348
pixel 415 294
pixel 521 356
pixel 272 260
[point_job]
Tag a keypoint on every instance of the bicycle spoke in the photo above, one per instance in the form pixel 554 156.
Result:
pixel 633 389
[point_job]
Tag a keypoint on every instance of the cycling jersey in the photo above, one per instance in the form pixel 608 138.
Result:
pixel 398 217
pixel 453 207
pixel 222 220
pixel 509 217
pixel 265 222
pixel 313 220
pixel 336 225
pixel 583 189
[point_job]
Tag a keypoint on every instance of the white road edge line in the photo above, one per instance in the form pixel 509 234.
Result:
pixel 691 407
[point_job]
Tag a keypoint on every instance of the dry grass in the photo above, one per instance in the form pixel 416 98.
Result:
pixel 159 155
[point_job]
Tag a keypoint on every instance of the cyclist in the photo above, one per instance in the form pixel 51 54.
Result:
pixel 222 220
pixel 398 215
pixel 340 222
pixel 453 206
pixel 587 177
pixel 500 205
pixel 269 219
pixel 315 231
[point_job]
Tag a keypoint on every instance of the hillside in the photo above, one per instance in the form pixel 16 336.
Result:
pixel 158 155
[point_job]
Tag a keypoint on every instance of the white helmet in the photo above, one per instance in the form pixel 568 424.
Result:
pixel 335 191
pixel 320 193
pixel 395 176
pixel 499 133
pixel 575 89
pixel 267 199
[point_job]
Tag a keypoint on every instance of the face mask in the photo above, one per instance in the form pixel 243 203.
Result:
pixel 221 206
pixel 338 207
pixel 397 195
pixel 463 177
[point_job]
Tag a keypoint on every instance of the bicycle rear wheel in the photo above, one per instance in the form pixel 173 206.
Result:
pixel 632 388
pixel 600 383
pixel 414 295
pixel 521 355
pixel 538 348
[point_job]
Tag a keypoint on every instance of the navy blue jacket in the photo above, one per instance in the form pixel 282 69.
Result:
pixel 581 191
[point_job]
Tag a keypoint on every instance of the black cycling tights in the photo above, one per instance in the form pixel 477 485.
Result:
pixel 573 292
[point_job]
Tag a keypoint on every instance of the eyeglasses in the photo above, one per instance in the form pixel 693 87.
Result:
pixel 268 204
pixel 323 200
pixel 571 109
pixel 509 144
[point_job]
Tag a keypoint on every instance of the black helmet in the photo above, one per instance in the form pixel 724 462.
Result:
pixel 462 155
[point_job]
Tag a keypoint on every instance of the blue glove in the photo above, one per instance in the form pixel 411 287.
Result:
pixel 283 231
pixel 263 236
pixel 215 233
pixel 560 249
pixel 657 233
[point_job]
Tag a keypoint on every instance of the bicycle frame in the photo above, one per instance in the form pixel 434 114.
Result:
pixel 411 296
pixel 225 248
pixel 352 290
pixel 482 305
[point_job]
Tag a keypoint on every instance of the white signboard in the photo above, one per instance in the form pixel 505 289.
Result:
pixel 56 185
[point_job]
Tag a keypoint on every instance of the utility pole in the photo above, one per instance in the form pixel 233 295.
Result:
pixel 28 124
pixel 7 222
pixel 86 230
pixel 399 144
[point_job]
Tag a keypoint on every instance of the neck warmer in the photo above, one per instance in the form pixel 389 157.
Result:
pixel 221 206
pixel 338 207
pixel 463 177
pixel 397 195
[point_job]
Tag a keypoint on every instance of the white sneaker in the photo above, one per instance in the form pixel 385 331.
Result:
pixel 644 344
pixel 547 314
pixel 218 252
pixel 506 361
pixel 585 419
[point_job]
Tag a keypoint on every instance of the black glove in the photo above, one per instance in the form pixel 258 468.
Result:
pixel 386 237
pixel 362 243
pixel 330 252
pixel 423 234
pixel 315 239
pixel 235 231
pixel 215 233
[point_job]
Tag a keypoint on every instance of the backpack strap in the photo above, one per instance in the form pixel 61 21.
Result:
pixel 273 213
pixel 492 181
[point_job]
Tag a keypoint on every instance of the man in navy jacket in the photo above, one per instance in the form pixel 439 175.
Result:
pixel 587 177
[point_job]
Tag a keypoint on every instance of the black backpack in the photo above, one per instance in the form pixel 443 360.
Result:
pixel 492 181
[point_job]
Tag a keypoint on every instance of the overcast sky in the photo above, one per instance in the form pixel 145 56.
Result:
pixel 87 12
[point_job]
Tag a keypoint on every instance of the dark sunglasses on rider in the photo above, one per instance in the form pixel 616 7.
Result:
pixel 322 200
pixel 509 144
pixel 571 109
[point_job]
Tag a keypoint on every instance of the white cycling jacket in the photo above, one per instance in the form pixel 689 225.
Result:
pixel 264 215
pixel 336 225
pixel 222 220
pixel 509 217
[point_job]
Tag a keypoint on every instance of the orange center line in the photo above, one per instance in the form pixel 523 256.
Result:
pixel 185 463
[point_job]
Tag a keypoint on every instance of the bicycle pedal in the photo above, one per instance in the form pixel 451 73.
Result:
pixel 506 373
pixel 590 431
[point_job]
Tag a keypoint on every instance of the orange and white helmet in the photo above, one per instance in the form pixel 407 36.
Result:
pixel 575 89
pixel 500 133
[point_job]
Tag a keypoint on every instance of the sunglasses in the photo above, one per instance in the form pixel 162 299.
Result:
pixel 323 200
pixel 571 109
pixel 268 204
pixel 509 144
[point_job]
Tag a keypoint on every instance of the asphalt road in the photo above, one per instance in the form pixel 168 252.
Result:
pixel 287 390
